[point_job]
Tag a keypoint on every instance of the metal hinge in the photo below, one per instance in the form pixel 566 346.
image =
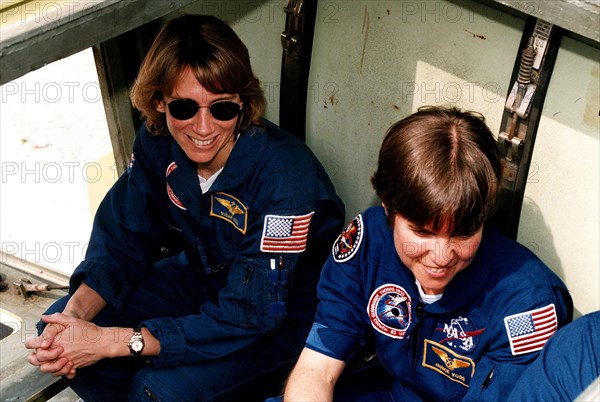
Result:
pixel 291 38
pixel 520 99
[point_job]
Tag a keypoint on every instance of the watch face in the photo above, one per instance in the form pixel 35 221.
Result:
pixel 137 346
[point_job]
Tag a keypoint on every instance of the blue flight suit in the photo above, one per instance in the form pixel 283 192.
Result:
pixel 226 280
pixel 566 367
pixel 472 344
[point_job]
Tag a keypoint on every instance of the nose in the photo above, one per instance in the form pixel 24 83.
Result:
pixel 202 121
pixel 443 252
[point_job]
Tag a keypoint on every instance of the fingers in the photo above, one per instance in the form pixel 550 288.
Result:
pixel 58 368
pixel 48 362
pixel 42 356
pixel 46 338
pixel 57 318
pixel 57 324
pixel 37 343
pixel 46 352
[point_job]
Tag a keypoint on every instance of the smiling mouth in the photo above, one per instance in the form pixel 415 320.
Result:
pixel 201 142
pixel 437 270
pixel 438 273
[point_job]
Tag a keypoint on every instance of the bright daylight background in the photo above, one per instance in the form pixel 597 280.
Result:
pixel 56 162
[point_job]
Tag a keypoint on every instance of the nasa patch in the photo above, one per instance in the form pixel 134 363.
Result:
pixel 170 192
pixel 390 310
pixel 348 241
pixel 459 334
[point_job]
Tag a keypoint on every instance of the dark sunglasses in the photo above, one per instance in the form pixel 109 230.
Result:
pixel 185 109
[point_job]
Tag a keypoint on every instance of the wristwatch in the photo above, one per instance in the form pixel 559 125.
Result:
pixel 136 343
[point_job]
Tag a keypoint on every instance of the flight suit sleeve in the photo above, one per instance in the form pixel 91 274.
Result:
pixel 567 365
pixel 126 234
pixel 515 346
pixel 332 333
pixel 340 325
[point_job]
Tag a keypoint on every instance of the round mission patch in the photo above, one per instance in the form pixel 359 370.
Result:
pixel 348 241
pixel 390 310
pixel 172 166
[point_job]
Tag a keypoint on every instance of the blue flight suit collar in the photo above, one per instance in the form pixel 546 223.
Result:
pixel 246 154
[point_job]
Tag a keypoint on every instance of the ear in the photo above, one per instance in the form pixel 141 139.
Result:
pixel 160 107
pixel 385 209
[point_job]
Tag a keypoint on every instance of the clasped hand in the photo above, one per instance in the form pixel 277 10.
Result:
pixel 66 344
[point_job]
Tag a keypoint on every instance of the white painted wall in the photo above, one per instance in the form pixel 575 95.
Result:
pixel 560 218
pixel 375 62
pixel 259 24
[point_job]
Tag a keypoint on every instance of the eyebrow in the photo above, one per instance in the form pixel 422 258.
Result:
pixel 220 97
pixel 417 228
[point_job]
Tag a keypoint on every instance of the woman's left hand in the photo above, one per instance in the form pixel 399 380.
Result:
pixel 80 342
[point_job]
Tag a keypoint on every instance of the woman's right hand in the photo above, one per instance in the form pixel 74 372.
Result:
pixel 45 355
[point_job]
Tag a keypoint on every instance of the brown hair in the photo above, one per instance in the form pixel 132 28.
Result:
pixel 218 58
pixel 440 166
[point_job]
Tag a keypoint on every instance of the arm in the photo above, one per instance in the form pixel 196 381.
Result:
pixel 48 354
pixel 567 365
pixel 544 303
pixel 116 254
pixel 313 378
pixel 128 229
pixel 85 303
pixel 78 343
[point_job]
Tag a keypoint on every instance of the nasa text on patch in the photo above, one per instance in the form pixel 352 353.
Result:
pixel 458 333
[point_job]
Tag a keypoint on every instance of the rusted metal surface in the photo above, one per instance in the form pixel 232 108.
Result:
pixel 20 381
pixel 579 16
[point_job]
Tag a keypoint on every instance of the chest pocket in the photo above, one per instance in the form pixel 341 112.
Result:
pixel 258 292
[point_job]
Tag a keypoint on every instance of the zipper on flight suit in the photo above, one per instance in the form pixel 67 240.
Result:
pixel 149 394
pixel 249 271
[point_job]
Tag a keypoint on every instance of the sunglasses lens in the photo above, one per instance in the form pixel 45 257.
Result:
pixel 225 110
pixel 183 109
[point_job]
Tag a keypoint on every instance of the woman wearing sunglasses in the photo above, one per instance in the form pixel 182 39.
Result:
pixel 199 282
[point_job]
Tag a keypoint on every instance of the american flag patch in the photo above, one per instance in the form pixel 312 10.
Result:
pixel 529 331
pixel 285 234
